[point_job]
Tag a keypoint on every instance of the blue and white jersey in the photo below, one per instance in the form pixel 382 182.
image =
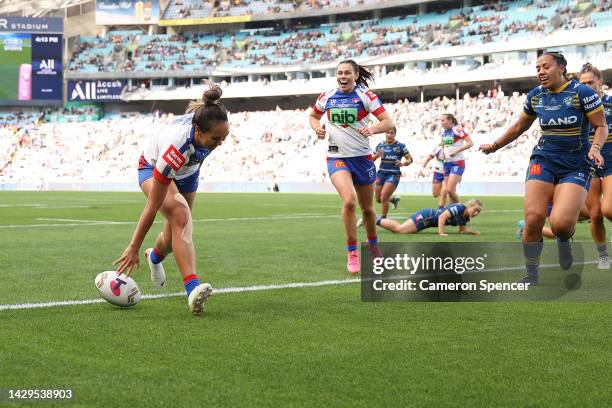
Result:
pixel 606 101
pixel 172 153
pixel 346 113
pixel 563 116
pixel 390 154
pixel 458 214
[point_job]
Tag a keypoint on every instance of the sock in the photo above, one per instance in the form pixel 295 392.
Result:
pixel 373 240
pixel 351 246
pixel 532 252
pixel 191 282
pixel 155 257
pixel 379 219
pixel 602 249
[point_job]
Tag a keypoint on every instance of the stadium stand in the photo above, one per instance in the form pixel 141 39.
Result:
pixel 134 51
pixel 267 146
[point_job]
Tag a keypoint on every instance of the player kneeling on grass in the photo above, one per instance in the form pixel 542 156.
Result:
pixel 455 214
pixel 168 174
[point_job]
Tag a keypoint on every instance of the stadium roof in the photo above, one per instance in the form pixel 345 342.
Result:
pixel 34 8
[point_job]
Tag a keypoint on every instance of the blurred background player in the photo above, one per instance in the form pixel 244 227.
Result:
pixel 599 198
pixel 349 160
pixel 455 214
pixel 168 174
pixel 437 180
pixel 454 141
pixel 390 153
pixel 561 163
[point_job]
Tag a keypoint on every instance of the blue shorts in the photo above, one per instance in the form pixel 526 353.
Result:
pixel 456 167
pixel 424 219
pixel 385 177
pixel 362 168
pixel 186 185
pixel 546 170
pixel 438 177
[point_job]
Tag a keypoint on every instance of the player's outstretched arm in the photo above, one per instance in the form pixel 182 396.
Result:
pixel 130 259
pixel 519 127
pixel 442 223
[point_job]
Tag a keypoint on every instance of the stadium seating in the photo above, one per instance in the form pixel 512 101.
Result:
pixel 269 146
pixel 135 51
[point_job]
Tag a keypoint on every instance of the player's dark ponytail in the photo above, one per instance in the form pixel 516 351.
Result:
pixel 560 59
pixel 363 75
pixel 209 109
pixel 588 67
pixel 452 118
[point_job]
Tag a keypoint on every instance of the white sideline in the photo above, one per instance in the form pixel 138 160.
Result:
pixel 255 288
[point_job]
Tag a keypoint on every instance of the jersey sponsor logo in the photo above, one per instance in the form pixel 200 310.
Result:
pixel 589 98
pixel 332 149
pixel 567 120
pixel 552 107
pixel 343 116
pixel 535 169
pixel 591 105
pixel 174 158
pixel 339 163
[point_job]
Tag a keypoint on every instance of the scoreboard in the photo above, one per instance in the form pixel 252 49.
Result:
pixel 30 62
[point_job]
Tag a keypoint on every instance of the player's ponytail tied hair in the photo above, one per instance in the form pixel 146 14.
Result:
pixel 363 75
pixel 560 59
pixel 209 109
pixel 588 67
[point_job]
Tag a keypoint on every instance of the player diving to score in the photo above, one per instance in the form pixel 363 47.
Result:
pixel 168 174
pixel 455 214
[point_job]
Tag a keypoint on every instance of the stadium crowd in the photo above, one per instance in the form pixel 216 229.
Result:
pixel 268 146
pixel 279 45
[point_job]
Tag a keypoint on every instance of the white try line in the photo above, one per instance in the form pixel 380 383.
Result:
pixel 255 288
pixel 65 222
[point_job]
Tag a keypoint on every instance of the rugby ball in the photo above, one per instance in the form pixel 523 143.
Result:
pixel 120 290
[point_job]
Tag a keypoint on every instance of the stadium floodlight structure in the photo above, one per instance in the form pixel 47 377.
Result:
pixel 34 8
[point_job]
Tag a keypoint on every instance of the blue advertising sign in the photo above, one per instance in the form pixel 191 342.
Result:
pixel 125 12
pixel 31 25
pixel 46 66
pixel 98 91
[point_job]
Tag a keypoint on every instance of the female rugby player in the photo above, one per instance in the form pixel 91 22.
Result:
pixel 561 163
pixel 454 214
pixel 390 153
pixel 599 199
pixel 437 181
pixel 168 174
pixel 454 141
pixel 349 162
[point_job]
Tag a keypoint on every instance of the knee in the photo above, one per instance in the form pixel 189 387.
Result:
pixel 180 218
pixel 596 215
pixel 378 199
pixel 563 229
pixel 349 204
pixel 368 212
pixel 534 219
pixel 606 211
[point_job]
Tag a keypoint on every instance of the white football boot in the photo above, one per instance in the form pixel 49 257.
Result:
pixel 604 263
pixel 198 297
pixel 158 275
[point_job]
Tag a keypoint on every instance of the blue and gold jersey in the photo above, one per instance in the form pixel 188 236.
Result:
pixel 390 154
pixel 606 101
pixel 563 116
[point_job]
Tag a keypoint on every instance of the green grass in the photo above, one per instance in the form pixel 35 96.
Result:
pixel 316 346
pixel 9 65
